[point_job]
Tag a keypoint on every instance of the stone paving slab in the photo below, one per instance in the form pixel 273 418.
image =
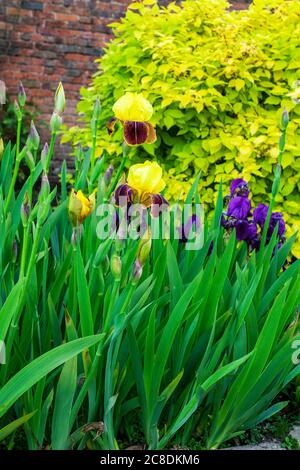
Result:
pixel 268 445
pixel 295 433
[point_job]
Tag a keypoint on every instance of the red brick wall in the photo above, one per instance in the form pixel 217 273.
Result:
pixel 43 42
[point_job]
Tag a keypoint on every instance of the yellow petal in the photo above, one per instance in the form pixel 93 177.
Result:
pixel 146 177
pixel 86 205
pixel 133 107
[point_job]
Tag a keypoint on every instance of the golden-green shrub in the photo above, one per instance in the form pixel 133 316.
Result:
pixel 218 81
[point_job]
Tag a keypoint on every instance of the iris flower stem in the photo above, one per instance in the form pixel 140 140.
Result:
pixel 24 250
pixel 51 150
pixel 118 174
pixel 94 143
pixel 19 127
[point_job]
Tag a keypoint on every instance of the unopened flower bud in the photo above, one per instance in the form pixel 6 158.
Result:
pixel 45 187
pixel 33 139
pixel 108 174
pixel 116 266
pixel 55 122
pixel 137 272
pixel 25 209
pixel 144 248
pixel 43 212
pixel 44 155
pixel 285 118
pixel 17 110
pixel 97 109
pixel 29 160
pixel 59 99
pixel 105 264
pixel 21 95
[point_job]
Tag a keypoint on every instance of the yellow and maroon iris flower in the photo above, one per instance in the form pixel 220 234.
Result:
pixel 134 112
pixel 144 185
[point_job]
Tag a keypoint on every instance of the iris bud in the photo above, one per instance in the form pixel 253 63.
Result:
pixel 97 109
pixel 144 248
pixel 285 119
pixel 33 139
pixel 21 95
pixel 17 110
pixel 43 212
pixel 45 188
pixel 29 160
pixel 137 272
pixel 25 209
pixel 55 122
pixel 44 155
pixel 59 99
pixel 116 266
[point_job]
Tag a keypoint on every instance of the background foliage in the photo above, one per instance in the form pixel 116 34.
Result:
pixel 218 81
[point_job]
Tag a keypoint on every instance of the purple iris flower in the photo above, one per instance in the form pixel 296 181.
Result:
pixel 277 218
pixel 239 208
pixel 239 187
pixel 245 230
pixel 260 214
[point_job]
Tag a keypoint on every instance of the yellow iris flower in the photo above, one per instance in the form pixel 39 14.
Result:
pixel 146 178
pixel 80 206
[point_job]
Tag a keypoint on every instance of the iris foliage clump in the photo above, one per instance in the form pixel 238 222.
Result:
pixel 104 336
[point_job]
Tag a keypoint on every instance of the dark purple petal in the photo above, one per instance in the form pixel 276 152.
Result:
pixel 239 208
pixel 239 187
pixel 108 174
pixel 158 204
pixel 277 218
pixel 252 231
pixel 123 195
pixel 135 133
pixel 241 230
pixel 260 214
pixel 245 230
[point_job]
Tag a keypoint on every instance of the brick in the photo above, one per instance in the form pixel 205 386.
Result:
pixel 65 17
pixel 36 6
